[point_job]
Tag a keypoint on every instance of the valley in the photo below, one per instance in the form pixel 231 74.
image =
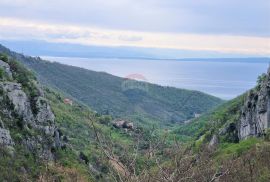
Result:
pixel 62 123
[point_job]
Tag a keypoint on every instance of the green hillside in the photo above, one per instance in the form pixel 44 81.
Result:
pixel 121 98
pixel 91 148
pixel 211 122
pixel 87 137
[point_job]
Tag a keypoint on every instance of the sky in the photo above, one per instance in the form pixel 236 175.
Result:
pixel 224 26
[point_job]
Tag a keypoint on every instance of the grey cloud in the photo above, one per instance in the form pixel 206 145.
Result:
pixel 241 17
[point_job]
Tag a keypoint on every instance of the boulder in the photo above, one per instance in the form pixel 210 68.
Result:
pixel 119 123
pixel 128 125
pixel 123 124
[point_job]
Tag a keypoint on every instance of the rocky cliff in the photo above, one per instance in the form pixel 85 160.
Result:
pixel 255 114
pixel 241 118
pixel 24 109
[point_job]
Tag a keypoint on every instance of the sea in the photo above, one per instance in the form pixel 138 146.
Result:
pixel 225 79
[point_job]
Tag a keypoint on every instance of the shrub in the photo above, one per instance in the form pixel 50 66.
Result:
pixel 267 135
pixel 2 73
pixel 3 57
pixel 261 78
pixel 105 119
pixel 238 148
pixel 21 74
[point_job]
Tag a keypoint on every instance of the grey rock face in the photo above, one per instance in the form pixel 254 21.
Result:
pixel 39 145
pixel 44 111
pixel 36 116
pixel 6 68
pixel 213 142
pixel 5 138
pixel 41 122
pixel 19 100
pixel 44 117
pixel 255 116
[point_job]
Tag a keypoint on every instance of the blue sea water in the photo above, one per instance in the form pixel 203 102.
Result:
pixel 224 79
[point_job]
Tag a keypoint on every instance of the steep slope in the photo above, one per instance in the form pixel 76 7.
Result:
pixel 42 138
pixel 27 123
pixel 124 98
pixel 230 143
pixel 243 117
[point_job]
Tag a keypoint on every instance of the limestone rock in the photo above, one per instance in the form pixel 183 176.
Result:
pixel 255 115
pixel 6 68
pixel 5 138
pixel 19 99
pixel 123 124
pixel 44 111
pixel 119 123
pixel 36 116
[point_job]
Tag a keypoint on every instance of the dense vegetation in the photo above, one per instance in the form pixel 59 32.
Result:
pixel 107 94
pixel 211 122
pixel 97 151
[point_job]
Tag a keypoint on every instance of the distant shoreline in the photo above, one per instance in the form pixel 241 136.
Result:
pixel 235 60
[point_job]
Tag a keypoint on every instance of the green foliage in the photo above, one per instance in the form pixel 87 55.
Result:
pixel 2 73
pixel 21 74
pixel 27 79
pixel 237 149
pixel 105 94
pixel 105 119
pixel 213 121
pixel 3 57
pixel 12 167
pixel 261 78
pixel 264 176
pixel 75 122
pixel 267 135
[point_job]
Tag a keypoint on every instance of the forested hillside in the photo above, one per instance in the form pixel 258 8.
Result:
pixel 45 138
pixel 122 98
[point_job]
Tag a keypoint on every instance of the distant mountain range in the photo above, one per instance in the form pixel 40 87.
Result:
pixel 42 48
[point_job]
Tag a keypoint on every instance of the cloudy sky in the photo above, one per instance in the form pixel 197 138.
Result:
pixel 225 26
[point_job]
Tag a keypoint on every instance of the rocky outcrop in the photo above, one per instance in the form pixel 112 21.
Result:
pixel 18 99
pixel 35 116
pixel 255 114
pixel 44 113
pixel 123 124
pixel 6 68
pixel 5 138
